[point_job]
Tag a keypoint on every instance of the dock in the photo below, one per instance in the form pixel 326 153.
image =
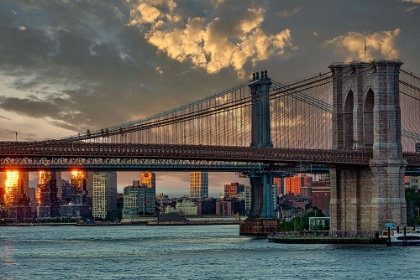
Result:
pixel 292 239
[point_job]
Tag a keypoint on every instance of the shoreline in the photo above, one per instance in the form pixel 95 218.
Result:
pixel 190 223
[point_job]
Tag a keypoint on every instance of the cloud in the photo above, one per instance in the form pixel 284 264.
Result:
pixel 410 9
pixel 211 42
pixel 412 1
pixel 288 13
pixel 365 47
pixel 6 118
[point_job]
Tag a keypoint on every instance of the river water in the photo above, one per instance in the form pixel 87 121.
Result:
pixel 188 252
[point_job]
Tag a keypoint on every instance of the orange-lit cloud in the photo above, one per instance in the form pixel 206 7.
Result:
pixel 207 42
pixel 365 47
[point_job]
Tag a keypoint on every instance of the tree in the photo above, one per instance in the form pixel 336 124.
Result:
pixel 413 204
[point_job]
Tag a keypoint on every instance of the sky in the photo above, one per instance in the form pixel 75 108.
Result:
pixel 67 66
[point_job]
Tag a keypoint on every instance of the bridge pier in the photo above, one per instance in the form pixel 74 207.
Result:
pixel 262 219
pixel 367 117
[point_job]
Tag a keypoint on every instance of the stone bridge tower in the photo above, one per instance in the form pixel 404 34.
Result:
pixel 367 117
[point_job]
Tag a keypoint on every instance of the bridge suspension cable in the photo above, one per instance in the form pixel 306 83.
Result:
pixel 300 112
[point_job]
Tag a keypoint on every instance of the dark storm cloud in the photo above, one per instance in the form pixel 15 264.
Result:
pixel 84 51
pixel 105 70
pixel 319 21
pixel 33 107
pixel 82 65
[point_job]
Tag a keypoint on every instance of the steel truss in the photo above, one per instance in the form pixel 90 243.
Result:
pixel 179 152
pixel 123 164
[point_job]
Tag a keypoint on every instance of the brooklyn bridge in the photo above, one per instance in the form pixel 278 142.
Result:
pixel 358 121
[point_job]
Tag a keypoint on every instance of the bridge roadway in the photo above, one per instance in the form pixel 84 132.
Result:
pixel 68 155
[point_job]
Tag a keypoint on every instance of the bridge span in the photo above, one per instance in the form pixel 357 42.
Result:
pixel 359 122
pixel 64 155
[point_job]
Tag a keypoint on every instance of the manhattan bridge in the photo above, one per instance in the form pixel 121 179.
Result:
pixel 359 122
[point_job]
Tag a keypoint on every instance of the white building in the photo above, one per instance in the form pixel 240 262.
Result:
pixel 104 198
pixel 199 185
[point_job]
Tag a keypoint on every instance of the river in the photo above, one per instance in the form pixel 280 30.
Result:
pixel 188 252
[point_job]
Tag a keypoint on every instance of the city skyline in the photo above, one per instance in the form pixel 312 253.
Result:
pixel 174 184
pixel 71 66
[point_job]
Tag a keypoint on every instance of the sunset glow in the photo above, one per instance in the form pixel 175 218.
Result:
pixel 77 177
pixel 12 187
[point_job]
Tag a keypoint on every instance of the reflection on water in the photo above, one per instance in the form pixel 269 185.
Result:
pixel 7 252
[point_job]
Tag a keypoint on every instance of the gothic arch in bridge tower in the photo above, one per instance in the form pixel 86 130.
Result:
pixel 366 117
pixel 369 102
pixel 348 120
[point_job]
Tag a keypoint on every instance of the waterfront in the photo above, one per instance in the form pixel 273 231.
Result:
pixel 187 252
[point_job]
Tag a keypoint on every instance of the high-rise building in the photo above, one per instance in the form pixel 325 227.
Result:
pixel 84 186
pixel 104 199
pixel 140 199
pixel 246 196
pixel 67 192
pixel 15 198
pixel 73 200
pixel 47 196
pixel 130 208
pixel 148 179
pixel 78 178
pixel 293 184
pixel 233 189
pixel 199 185
pixel 146 198
pixel 16 186
pixel 2 188
pixel 281 186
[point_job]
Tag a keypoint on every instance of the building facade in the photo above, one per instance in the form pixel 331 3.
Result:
pixel 130 207
pixel 233 189
pixel 47 195
pixel 148 179
pixel 184 207
pixel 104 198
pixel 199 185
pixel 140 197
pixel 246 197
pixel 293 184
pixel 414 182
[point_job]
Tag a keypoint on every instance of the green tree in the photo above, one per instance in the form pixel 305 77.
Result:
pixel 413 205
